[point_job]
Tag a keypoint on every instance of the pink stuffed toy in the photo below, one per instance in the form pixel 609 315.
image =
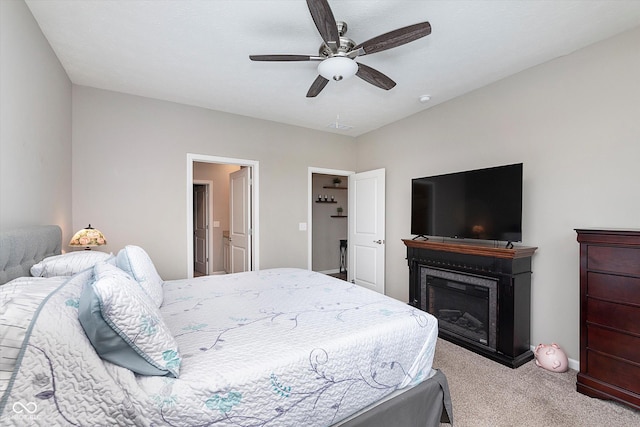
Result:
pixel 551 357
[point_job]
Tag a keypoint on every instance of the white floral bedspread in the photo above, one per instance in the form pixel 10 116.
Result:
pixel 280 347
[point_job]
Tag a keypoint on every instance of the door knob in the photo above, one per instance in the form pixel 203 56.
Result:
pixel 378 241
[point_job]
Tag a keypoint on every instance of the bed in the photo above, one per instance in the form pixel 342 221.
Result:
pixel 102 340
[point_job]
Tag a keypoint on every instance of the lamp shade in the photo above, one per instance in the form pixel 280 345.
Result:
pixel 88 237
pixel 337 68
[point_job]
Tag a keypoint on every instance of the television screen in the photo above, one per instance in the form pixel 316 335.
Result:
pixel 478 204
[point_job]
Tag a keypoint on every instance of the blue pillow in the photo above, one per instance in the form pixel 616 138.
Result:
pixel 124 325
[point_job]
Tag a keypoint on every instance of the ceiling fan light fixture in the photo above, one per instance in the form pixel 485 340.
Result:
pixel 338 68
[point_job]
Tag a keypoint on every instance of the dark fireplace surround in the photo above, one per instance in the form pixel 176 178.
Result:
pixel 481 295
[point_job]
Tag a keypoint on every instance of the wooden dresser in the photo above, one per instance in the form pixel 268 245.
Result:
pixel 610 315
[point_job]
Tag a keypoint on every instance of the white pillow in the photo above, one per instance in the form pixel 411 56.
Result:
pixel 135 261
pixel 124 325
pixel 68 264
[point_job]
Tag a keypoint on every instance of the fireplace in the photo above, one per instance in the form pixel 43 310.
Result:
pixel 465 304
pixel 481 295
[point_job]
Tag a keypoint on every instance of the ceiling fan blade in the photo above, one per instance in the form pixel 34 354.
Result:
pixel 285 58
pixel 374 77
pixel 325 23
pixel 316 87
pixel 394 38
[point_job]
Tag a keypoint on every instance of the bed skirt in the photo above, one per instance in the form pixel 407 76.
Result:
pixel 426 405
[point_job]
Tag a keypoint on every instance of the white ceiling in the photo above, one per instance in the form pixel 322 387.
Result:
pixel 196 52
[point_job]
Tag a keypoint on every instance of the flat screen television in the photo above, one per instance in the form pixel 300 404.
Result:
pixel 478 204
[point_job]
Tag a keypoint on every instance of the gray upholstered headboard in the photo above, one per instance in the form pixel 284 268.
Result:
pixel 20 248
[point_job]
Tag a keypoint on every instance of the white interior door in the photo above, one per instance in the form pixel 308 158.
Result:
pixel 240 220
pixel 200 229
pixel 366 244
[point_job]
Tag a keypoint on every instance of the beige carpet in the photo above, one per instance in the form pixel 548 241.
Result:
pixel 486 393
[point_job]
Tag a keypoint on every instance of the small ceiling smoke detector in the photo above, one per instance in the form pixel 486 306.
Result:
pixel 425 98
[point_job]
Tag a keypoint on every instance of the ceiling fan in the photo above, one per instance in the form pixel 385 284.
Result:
pixel 337 54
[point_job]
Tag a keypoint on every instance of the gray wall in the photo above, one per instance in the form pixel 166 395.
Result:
pixel 35 131
pixel 574 122
pixel 129 172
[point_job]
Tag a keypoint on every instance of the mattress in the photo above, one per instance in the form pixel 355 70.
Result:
pixel 295 345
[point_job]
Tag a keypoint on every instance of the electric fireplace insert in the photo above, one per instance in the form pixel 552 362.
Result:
pixel 464 304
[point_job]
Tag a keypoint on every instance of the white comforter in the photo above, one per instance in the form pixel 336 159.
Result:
pixel 281 347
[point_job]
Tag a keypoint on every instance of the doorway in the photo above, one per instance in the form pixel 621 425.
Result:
pixel 326 229
pixel 329 226
pixel 365 246
pixel 222 253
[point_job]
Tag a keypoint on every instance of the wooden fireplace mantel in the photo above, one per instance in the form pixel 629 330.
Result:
pixel 472 248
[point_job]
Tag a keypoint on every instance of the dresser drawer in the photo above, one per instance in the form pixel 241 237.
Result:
pixel 617 316
pixel 613 371
pixel 614 288
pixel 614 259
pixel 611 342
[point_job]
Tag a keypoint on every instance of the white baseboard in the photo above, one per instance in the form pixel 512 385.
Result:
pixel 574 364
pixel 330 271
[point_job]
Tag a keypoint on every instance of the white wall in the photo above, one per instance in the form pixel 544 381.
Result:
pixel 35 131
pixel 574 122
pixel 129 173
